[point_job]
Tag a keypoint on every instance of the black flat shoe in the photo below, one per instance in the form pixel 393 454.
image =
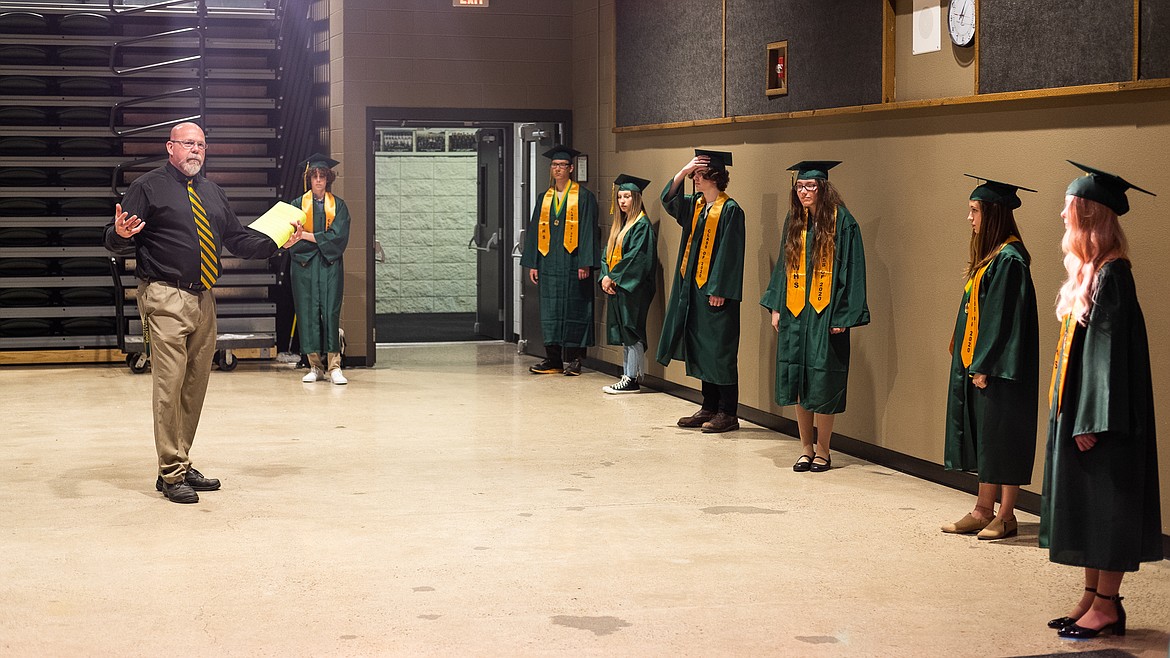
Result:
pixel 803 464
pixel 820 468
pixel 1061 622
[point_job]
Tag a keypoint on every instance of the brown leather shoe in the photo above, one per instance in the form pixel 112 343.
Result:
pixel 697 419
pixel 722 422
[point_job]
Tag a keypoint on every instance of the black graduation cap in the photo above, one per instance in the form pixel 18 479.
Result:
pixel 631 183
pixel 561 152
pixel 1103 187
pixel 719 160
pixel 319 161
pixel 808 169
pixel 994 191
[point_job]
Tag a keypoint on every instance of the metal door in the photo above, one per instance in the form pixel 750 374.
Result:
pixel 487 238
pixel 533 140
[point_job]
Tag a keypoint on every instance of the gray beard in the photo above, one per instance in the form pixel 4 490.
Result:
pixel 190 168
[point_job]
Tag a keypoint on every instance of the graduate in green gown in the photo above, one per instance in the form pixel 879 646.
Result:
pixel 995 364
pixel 817 293
pixel 317 271
pixel 702 316
pixel 1100 507
pixel 561 250
pixel 627 278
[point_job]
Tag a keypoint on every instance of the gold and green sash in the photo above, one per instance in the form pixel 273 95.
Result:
pixel 703 266
pixel 1068 330
pixel 544 233
pixel 822 279
pixel 307 207
pixel 615 255
pixel 971 332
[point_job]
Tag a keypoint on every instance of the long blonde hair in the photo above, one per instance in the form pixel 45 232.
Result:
pixel 620 218
pixel 1093 238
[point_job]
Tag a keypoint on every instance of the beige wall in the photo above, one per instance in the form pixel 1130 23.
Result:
pixel 425 53
pixel 902 178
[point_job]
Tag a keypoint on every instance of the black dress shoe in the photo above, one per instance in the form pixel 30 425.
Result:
pixel 721 422
pixel 819 467
pixel 573 368
pixel 199 483
pixel 1061 622
pixel 179 492
pixel 1075 631
pixel 803 464
pixel 547 367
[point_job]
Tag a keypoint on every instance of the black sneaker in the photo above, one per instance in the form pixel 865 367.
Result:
pixel 199 483
pixel 624 385
pixel 179 492
pixel 547 367
pixel 573 368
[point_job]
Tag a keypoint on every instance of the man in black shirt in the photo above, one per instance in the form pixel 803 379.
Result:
pixel 176 223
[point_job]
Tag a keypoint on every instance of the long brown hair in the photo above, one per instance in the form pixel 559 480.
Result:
pixel 998 223
pixel 620 218
pixel 823 228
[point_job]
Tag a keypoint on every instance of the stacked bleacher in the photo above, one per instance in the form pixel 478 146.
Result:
pixel 83 113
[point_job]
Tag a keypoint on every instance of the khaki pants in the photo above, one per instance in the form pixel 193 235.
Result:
pixel 334 361
pixel 181 330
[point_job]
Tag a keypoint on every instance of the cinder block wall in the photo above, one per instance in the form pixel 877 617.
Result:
pixel 424 216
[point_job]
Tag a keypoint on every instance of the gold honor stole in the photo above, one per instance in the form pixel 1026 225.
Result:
pixel 615 255
pixel 1068 330
pixel 307 207
pixel 544 234
pixel 703 267
pixel 822 279
pixel 971 332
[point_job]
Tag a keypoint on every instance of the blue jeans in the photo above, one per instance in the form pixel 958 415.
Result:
pixel 635 360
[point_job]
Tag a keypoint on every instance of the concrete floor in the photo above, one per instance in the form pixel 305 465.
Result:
pixel 448 503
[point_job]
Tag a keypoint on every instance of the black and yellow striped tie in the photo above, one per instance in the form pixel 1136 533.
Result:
pixel 208 260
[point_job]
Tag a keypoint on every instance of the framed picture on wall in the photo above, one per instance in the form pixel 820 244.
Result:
pixel 397 141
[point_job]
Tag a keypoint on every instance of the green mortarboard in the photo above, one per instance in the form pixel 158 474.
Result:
pixel 993 191
pixel 719 160
pixel 631 183
pixel 319 161
pixel 1103 187
pixel 561 152
pixel 808 169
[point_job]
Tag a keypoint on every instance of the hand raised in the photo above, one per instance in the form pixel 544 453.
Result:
pixel 126 226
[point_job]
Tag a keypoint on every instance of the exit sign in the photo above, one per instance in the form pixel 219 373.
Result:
pixel 469 3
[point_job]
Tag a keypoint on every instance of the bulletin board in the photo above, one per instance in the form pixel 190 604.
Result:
pixel 1041 44
pixel 669 61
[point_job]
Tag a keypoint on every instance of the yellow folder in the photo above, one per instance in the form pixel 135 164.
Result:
pixel 275 223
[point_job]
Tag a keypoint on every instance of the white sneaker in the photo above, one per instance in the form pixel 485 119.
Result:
pixel 315 375
pixel 336 377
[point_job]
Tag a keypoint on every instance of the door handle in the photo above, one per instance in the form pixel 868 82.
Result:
pixel 492 242
pixel 379 253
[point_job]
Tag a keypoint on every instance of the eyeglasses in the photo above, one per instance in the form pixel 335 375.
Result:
pixel 561 165
pixel 189 144
pixel 806 187
pixel 701 173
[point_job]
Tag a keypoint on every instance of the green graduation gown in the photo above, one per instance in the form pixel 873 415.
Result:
pixel 993 430
pixel 812 365
pixel 1100 508
pixel 317 277
pixel 705 337
pixel 566 302
pixel 625 319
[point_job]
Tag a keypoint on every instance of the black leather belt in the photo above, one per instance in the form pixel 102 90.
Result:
pixel 190 287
